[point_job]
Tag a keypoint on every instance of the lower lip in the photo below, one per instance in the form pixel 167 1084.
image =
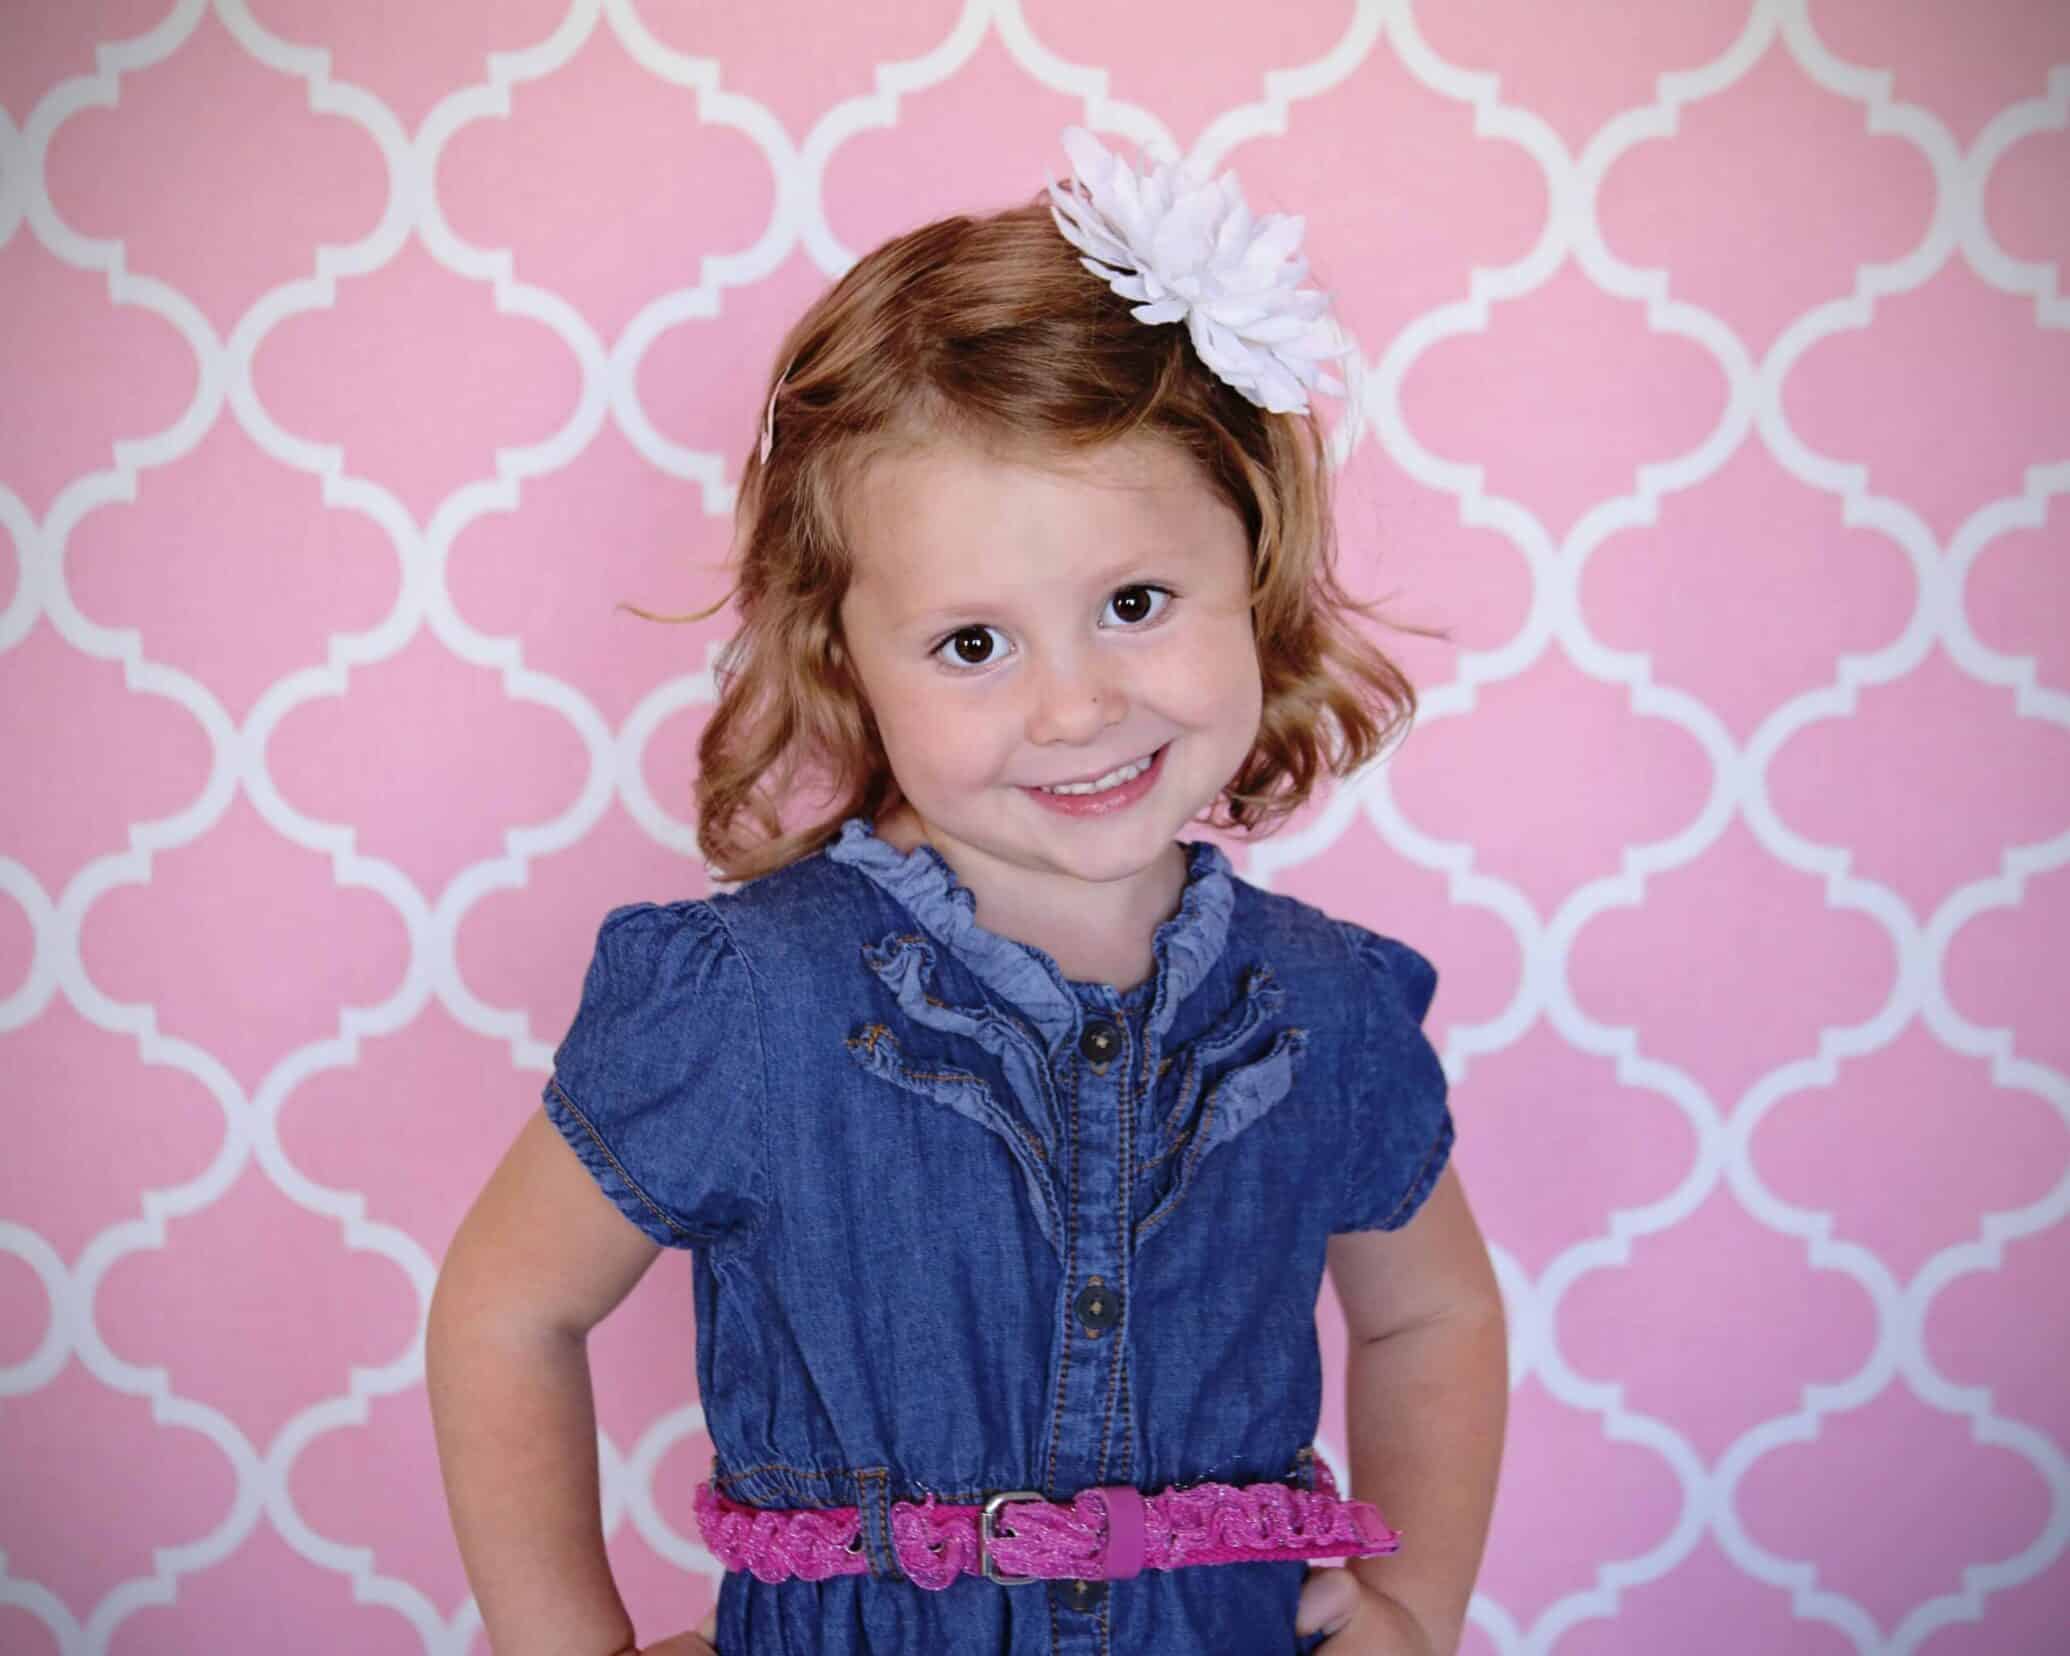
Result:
pixel 1103 804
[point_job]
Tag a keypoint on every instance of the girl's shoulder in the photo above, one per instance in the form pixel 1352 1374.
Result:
pixel 1360 996
pixel 795 910
pixel 801 917
pixel 1297 937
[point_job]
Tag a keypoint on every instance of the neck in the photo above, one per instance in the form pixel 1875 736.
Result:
pixel 1095 932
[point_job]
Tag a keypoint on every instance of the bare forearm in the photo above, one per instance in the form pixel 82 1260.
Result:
pixel 1426 1408
pixel 516 1427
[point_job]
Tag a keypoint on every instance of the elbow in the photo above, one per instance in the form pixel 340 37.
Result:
pixel 1475 1315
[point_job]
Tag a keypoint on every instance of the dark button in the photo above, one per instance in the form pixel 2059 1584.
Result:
pixel 1084 1596
pixel 1100 1042
pixel 1098 1306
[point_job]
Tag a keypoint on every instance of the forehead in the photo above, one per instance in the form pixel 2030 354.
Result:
pixel 979 515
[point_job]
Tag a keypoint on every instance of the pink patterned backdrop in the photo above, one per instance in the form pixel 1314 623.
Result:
pixel 355 359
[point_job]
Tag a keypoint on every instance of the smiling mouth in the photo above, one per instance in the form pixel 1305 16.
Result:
pixel 1102 784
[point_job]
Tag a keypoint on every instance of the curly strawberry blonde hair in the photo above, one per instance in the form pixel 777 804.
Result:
pixel 990 329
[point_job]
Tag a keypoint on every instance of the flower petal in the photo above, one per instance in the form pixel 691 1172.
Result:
pixel 1185 247
pixel 1091 162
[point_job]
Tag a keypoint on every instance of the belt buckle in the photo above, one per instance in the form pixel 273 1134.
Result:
pixel 988 1532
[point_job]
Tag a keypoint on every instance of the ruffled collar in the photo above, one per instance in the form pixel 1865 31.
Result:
pixel 1183 948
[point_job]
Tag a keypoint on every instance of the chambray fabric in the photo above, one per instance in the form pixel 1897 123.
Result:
pixel 872 1123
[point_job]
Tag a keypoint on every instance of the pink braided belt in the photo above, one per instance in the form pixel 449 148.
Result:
pixel 1105 1534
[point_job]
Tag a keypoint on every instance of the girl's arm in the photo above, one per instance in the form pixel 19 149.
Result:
pixel 539 1260
pixel 1427 1396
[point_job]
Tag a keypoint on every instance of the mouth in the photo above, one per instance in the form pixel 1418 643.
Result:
pixel 1105 781
pixel 1103 794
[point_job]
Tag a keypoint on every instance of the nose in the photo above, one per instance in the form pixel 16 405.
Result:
pixel 1073 702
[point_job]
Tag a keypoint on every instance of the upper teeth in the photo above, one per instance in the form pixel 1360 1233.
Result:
pixel 1113 779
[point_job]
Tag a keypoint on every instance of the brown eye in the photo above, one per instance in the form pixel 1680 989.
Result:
pixel 1133 605
pixel 969 647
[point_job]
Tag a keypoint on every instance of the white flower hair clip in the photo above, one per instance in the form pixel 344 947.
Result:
pixel 1186 248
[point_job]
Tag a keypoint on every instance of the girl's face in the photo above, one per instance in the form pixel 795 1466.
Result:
pixel 1019 623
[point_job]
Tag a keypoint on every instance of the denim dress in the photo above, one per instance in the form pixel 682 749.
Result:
pixel 960 1225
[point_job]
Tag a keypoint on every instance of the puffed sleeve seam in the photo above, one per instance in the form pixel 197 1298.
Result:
pixel 1404 984
pixel 1426 1178
pixel 611 1173
pixel 638 931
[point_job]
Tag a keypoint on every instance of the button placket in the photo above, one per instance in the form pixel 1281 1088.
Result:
pixel 1089 1446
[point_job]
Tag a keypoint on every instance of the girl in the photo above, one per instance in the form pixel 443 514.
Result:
pixel 1012 1134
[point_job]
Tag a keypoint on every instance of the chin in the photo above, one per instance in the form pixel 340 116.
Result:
pixel 1102 865
pixel 1110 849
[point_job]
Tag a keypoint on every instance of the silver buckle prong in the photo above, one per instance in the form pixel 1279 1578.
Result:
pixel 988 1532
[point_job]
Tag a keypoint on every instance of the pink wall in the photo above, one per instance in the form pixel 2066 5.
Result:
pixel 358 358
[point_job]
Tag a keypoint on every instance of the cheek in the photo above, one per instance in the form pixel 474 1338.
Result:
pixel 1247 702
pixel 1217 681
pixel 900 722
pixel 928 733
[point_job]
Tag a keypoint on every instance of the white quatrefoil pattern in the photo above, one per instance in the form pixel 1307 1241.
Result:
pixel 1712 393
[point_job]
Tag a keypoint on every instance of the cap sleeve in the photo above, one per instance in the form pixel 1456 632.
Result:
pixel 1400 1133
pixel 658 1085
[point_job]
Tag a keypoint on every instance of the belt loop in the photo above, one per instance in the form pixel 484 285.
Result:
pixel 873 1498
pixel 1122 1557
